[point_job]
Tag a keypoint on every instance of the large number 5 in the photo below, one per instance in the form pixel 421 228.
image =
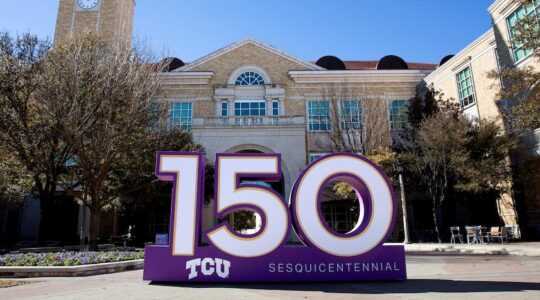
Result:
pixel 231 195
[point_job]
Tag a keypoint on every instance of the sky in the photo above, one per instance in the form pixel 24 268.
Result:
pixel 416 30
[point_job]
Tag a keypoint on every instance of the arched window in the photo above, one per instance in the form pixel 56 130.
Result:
pixel 249 78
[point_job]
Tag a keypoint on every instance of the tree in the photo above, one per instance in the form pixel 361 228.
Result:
pixel 446 151
pixel 104 94
pixel 16 183
pixel 138 188
pixel 436 152
pixel 30 131
pixel 136 172
pixel 357 124
pixel 423 105
pixel 487 167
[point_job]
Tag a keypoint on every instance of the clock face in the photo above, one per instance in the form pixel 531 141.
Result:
pixel 88 4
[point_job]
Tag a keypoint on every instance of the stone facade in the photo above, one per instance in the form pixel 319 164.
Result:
pixel 289 81
pixel 209 84
pixel 480 57
pixel 111 18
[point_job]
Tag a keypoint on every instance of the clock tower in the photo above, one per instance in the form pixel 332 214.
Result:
pixel 111 18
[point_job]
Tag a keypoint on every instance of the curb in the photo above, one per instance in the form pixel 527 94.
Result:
pixel 473 249
pixel 71 271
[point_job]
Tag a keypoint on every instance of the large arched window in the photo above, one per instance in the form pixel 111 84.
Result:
pixel 249 78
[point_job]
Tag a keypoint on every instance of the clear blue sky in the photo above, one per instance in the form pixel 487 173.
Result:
pixel 417 30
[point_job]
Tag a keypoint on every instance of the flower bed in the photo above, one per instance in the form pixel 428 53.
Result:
pixel 57 259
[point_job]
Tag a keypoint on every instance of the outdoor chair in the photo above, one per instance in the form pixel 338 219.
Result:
pixel 512 232
pixel 499 233
pixel 456 234
pixel 472 234
pixel 483 235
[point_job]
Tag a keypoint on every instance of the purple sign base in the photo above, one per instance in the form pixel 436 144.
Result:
pixel 285 264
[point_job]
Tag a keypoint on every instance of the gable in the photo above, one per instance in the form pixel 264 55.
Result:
pixel 274 51
pixel 225 61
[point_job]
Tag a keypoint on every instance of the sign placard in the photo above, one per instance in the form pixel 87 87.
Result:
pixel 162 239
pixel 324 255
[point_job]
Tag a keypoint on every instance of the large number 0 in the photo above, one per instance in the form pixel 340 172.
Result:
pixel 376 203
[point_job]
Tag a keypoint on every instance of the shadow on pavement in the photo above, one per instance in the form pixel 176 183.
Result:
pixel 407 287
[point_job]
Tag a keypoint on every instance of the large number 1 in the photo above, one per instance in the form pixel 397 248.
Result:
pixel 185 170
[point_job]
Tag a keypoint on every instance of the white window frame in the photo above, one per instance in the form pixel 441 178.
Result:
pixel 474 101
pixel 342 116
pixel 535 10
pixel 276 101
pixel 250 101
pixel 224 112
pixel 320 117
pixel 184 126
pixel 389 106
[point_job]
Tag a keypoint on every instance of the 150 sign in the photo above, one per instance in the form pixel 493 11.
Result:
pixel 322 255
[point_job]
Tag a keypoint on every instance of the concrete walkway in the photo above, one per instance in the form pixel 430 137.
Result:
pixel 521 249
pixel 431 276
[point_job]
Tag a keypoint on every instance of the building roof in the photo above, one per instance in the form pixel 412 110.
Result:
pixel 349 65
pixel 372 65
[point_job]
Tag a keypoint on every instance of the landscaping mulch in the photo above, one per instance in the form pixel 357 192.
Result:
pixel 11 283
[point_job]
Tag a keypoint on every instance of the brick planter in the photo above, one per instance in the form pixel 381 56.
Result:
pixel 72 271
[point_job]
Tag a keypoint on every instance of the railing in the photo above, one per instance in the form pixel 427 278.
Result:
pixel 249 121
pixel 229 86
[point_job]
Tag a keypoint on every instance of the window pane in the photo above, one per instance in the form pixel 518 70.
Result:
pixel 531 11
pixel 465 87
pixel 351 115
pixel 180 115
pixel 250 108
pixel 398 114
pixel 275 108
pixel 249 78
pixel 318 115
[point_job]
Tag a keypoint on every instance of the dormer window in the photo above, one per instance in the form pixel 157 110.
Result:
pixel 249 78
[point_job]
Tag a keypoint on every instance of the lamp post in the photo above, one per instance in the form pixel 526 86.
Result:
pixel 399 169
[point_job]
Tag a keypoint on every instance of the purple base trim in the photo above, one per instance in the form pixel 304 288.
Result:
pixel 284 264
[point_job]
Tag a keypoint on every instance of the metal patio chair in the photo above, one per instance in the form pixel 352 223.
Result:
pixel 500 234
pixel 456 235
pixel 472 234
pixel 483 235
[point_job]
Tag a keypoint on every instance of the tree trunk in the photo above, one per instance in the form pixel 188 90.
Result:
pixel 44 212
pixel 94 229
pixel 435 213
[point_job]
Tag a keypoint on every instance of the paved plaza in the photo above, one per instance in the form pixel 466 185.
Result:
pixel 431 276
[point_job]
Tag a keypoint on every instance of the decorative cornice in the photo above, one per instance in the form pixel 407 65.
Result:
pixel 180 78
pixel 465 61
pixel 461 55
pixel 499 5
pixel 358 76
